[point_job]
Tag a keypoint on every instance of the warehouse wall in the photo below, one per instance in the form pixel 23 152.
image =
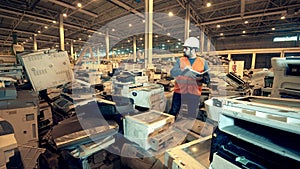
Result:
pixel 251 42
pixel 264 60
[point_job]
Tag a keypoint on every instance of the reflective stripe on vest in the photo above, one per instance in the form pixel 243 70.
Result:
pixel 185 84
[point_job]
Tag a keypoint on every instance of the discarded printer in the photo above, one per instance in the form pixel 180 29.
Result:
pixel 256 132
pixel 142 127
pixel 194 154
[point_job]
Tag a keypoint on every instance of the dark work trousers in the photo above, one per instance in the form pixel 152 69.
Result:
pixel 191 100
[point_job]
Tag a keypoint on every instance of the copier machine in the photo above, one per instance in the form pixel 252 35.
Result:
pixel 256 132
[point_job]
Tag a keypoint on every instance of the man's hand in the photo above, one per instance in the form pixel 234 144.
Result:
pixel 187 68
pixel 190 75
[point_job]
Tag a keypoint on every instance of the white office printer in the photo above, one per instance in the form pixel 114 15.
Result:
pixel 286 77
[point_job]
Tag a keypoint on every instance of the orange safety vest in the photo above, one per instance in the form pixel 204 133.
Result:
pixel 185 84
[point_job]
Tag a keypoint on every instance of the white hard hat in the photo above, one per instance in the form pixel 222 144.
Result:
pixel 191 42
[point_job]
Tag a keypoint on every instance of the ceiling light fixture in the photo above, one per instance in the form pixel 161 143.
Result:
pixel 218 26
pixel 246 22
pixel 194 149
pixel 273 29
pixel 130 25
pixel 79 5
pixel 53 21
pixel 46 27
pixel 65 15
pixel 208 4
pixel 170 14
pixel 221 34
pixel 244 31
pixel 113 30
pixel 282 17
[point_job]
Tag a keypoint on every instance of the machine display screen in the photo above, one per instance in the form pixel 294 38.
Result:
pixel 5 128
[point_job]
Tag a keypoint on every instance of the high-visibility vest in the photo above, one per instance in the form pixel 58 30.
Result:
pixel 185 84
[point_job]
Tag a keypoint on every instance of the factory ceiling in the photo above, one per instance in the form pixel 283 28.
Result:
pixel 87 21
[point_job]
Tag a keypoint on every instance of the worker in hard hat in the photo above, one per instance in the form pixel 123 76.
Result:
pixel 189 73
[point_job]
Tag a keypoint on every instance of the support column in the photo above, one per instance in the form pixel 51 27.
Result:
pixel 208 44
pixel 72 50
pixel 243 4
pixel 61 32
pixel 148 32
pixel 91 52
pixel 282 54
pixel 202 41
pixel 229 56
pixel 134 48
pixel 253 60
pixel 92 57
pixel 98 55
pixel 187 20
pixel 34 43
pixel 107 43
pixel 113 53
